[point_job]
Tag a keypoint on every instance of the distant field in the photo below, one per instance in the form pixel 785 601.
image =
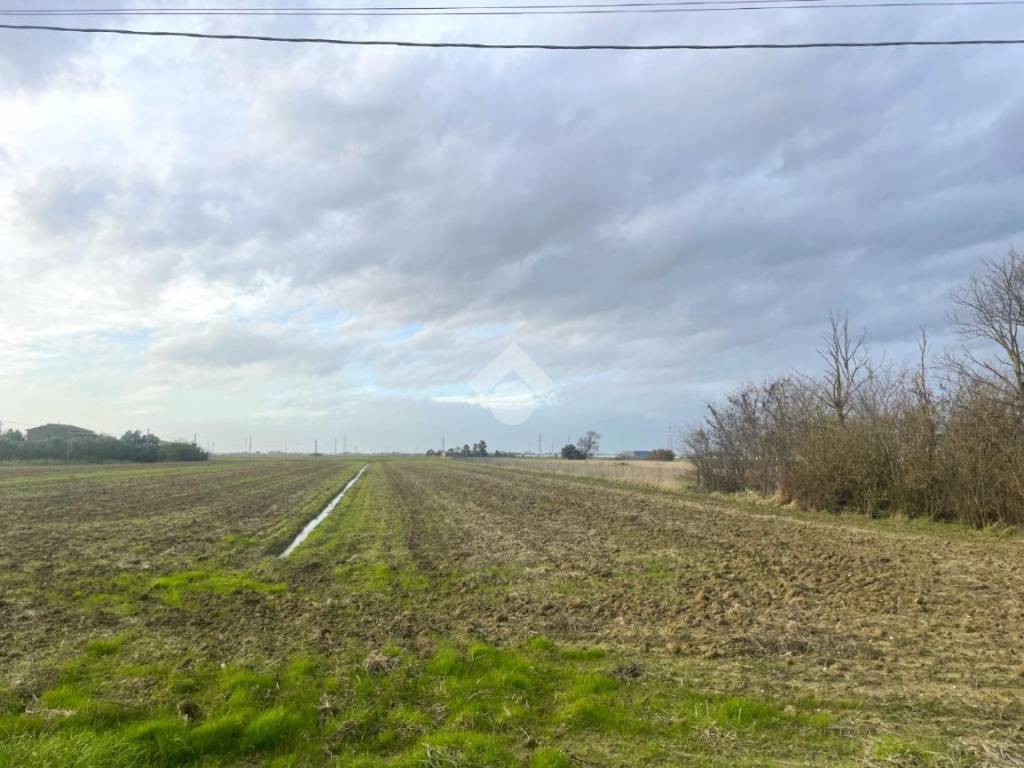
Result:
pixel 454 613
pixel 668 475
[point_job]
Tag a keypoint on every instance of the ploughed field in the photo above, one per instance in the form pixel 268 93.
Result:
pixel 454 613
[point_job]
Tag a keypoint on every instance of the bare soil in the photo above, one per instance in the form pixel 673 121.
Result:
pixel 906 623
pixel 843 609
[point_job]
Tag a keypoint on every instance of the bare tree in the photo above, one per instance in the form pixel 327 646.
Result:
pixel 847 367
pixel 589 444
pixel 919 382
pixel 990 307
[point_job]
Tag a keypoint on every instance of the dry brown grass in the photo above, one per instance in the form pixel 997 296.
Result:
pixel 667 475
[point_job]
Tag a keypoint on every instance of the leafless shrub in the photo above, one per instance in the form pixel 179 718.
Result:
pixel 984 458
pixel 865 437
pixel 746 441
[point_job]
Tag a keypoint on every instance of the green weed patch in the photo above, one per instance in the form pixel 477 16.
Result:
pixel 462 705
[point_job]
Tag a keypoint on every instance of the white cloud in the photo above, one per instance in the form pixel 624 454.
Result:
pixel 206 235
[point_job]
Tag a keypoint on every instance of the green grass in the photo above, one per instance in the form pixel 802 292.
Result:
pixel 189 589
pixel 537 704
pixel 370 556
pixel 178 587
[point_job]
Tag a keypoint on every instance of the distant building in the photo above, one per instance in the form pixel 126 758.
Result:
pixel 641 454
pixel 62 431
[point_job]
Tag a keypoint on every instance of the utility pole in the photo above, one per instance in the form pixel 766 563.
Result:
pixel 250 447
pixel 195 437
pixel 316 446
pixel 538 445
pixel 344 443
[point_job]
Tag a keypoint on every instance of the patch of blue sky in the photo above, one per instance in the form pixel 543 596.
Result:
pixel 325 321
pixel 405 332
pixel 483 332
pixel 361 376
pixel 136 340
pixel 95 351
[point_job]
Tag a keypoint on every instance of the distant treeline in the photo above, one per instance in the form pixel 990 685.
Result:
pixel 943 439
pixel 132 446
pixel 477 451
pixel 585 447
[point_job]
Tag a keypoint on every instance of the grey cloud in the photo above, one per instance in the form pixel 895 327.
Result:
pixel 31 60
pixel 228 345
pixel 659 224
pixel 64 202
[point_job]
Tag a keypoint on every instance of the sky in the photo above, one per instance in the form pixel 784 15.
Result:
pixel 306 243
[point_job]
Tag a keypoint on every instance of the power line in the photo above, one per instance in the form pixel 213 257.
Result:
pixel 712 6
pixel 307 10
pixel 517 46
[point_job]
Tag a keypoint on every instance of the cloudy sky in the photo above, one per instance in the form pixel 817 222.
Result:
pixel 300 242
